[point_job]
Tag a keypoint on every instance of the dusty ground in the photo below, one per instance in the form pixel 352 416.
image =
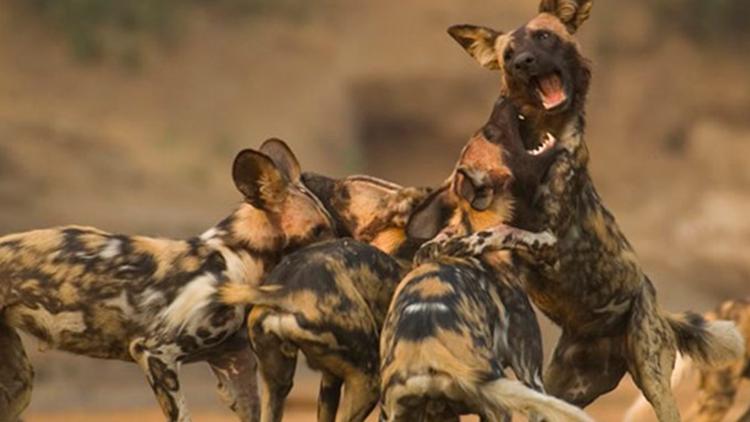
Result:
pixel 301 407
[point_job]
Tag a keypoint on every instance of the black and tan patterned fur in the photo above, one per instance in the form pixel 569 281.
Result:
pixel 717 387
pixel 455 324
pixel 598 293
pixel 154 301
pixel 328 300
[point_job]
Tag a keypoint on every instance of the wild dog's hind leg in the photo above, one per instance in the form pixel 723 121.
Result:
pixel 161 366
pixel 16 375
pixel 236 368
pixel 651 351
pixel 360 397
pixel 582 370
pixel 329 397
pixel 277 361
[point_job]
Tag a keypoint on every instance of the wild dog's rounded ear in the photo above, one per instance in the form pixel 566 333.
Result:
pixel 474 187
pixel 479 42
pixel 258 179
pixel 431 216
pixel 283 157
pixel 573 13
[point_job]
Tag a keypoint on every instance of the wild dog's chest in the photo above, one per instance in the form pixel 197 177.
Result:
pixel 598 272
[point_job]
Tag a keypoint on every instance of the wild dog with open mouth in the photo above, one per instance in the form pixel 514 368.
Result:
pixel 455 323
pixel 155 301
pixel 598 292
pixel 329 300
pixel 717 387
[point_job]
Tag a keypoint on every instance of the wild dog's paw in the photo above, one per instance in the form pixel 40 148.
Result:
pixel 436 247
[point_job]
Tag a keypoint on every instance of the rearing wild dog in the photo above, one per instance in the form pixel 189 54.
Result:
pixel 154 301
pixel 597 293
pixel 329 300
pixel 447 335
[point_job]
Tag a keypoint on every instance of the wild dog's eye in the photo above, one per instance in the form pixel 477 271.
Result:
pixel 542 35
pixel 508 54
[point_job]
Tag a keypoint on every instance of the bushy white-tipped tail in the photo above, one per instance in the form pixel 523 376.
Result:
pixel 709 343
pixel 683 368
pixel 512 395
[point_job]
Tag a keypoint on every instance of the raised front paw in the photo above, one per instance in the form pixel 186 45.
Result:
pixel 428 252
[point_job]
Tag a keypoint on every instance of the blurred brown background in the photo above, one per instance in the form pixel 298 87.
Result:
pixel 126 115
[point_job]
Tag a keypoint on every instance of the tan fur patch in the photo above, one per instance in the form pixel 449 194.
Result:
pixel 551 23
pixel 389 240
pixel 254 227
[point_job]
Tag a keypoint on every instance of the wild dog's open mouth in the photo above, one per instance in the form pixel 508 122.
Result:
pixel 551 90
pixel 547 144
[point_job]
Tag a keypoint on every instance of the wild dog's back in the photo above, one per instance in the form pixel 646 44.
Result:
pixel 440 336
pixel 340 287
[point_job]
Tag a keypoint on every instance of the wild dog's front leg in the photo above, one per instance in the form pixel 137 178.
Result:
pixel 235 368
pixel 329 397
pixel 582 370
pixel 541 246
pixel 160 363
pixel 16 375
pixel 360 397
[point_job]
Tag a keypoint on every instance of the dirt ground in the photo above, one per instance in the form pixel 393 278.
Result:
pixel 301 408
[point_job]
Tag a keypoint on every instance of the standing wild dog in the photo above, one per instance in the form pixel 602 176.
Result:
pixel 154 301
pixel 329 300
pixel 455 323
pixel 717 387
pixel 597 293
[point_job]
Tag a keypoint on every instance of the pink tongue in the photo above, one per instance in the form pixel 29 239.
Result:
pixel 552 92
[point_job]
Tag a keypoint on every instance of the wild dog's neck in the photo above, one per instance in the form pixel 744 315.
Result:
pixel 251 230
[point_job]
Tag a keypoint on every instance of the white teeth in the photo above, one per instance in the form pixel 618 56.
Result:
pixel 549 142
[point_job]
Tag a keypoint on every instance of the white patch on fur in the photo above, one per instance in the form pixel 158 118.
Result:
pixel 726 344
pixel 111 249
pixel 614 307
pixel 426 307
pixel 285 326
pixel 151 297
pixel 190 302
pixel 121 302
pixel 511 394
pixel 209 234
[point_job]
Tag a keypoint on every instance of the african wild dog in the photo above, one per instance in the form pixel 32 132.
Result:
pixel 154 301
pixel 329 300
pixel 717 387
pixel 598 292
pixel 455 323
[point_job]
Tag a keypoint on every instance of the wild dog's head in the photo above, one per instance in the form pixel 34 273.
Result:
pixel 270 181
pixel 543 71
pixel 369 209
pixel 494 182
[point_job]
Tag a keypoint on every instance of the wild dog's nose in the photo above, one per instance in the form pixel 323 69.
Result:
pixel 525 62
